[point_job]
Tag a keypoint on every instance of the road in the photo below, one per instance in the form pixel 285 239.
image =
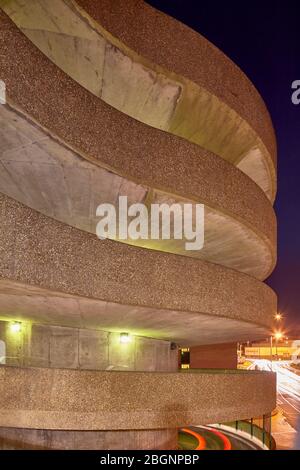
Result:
pixel 210 438
pixel 288 392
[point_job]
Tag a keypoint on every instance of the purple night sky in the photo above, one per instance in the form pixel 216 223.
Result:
pixel 263 38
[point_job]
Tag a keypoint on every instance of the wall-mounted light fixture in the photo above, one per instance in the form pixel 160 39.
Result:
pixel 15 327
pixel 125 338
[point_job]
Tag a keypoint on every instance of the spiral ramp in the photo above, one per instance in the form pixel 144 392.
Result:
pixel 107 99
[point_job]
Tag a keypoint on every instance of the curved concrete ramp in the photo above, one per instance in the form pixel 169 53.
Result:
pixel 41 172
pixel 110 51
pixel 105 99
pixel 87 400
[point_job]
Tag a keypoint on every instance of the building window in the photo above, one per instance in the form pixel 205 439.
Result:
pixel 185 358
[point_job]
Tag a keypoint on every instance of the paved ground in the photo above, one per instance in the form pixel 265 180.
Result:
pixel 286 424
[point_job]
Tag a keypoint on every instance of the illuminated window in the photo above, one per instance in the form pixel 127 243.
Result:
pixel 185 358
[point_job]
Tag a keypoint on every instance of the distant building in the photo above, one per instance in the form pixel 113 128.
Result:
pixel 284 350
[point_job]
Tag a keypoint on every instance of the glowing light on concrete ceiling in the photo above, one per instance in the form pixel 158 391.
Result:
pixel 15 327
pixel 125 338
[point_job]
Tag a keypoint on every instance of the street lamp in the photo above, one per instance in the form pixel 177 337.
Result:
pixel 278 316
pixel 278 335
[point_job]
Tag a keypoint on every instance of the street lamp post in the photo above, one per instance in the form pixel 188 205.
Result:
pixel 277 336
pixel 271 351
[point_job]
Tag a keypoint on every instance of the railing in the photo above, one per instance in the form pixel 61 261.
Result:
pixel 254 431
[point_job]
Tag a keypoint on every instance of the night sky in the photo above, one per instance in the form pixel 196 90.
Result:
pixel 263 38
